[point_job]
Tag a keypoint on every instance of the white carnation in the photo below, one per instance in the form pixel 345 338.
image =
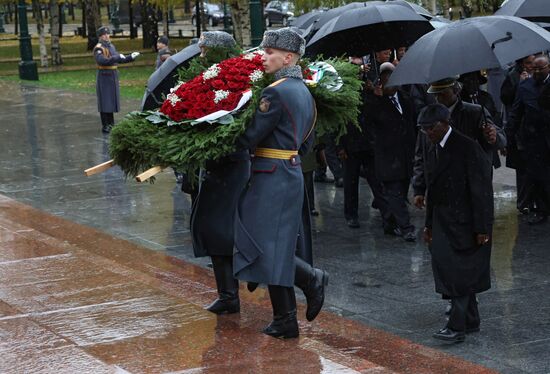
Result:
pixel 220 95
pixel 256 75
pixel 211 72
pixel 174 89
pixel 251 55
pixel 173 98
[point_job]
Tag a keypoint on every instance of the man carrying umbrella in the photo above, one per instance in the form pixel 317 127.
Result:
pixel 459 215
pixel 529 126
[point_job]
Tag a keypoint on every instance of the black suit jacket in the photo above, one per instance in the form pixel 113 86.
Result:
pixel 460 193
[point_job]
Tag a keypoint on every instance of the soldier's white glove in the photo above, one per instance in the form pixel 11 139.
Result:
pixel 135 54
pixel 122 56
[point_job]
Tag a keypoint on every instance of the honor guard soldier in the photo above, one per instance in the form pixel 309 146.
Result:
pixel 269 214
pixel 107 86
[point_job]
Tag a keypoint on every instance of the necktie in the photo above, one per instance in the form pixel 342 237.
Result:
pixel 396 104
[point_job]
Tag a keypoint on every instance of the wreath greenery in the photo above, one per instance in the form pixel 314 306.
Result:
pixel 138 143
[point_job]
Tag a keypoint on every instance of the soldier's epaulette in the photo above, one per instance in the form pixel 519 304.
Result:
pixel 98 45
pixel 276 83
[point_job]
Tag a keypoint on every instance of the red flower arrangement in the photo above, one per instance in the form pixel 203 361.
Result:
pixel 220 87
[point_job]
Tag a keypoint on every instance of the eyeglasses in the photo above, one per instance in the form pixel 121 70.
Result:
pixel 540 69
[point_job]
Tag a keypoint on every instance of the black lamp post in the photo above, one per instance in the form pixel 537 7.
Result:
pixel 27 67
pixel 256 22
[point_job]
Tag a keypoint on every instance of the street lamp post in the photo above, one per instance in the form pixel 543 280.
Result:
pixel 2 30
pixel 27 67
pixel 256 22
pixel 225 19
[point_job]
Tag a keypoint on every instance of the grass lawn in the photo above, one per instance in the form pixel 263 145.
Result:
pixel 132 80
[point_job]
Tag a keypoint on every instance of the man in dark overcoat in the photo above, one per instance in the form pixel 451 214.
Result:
pixel 392 117
pixel 459 215
pixel 107 86
pixel 269 213
pixel 528 125
pixel 213 211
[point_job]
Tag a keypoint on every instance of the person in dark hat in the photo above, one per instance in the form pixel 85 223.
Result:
pixel 163 50
pixel 459 218
pixel 269 214
pixel 107 84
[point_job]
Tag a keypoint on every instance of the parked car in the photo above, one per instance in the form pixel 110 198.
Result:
pixel 278 12
pixel 214 13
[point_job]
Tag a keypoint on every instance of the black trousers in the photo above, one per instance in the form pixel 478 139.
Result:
pixel 352 169
pixel 331 155
pixel 107 119
pixel 539 194
pixel 310 189
pixel 524 190
pixel 397 212
pixel 464 313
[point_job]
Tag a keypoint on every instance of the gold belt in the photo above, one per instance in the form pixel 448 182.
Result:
pixel 280 154
pixel 107 67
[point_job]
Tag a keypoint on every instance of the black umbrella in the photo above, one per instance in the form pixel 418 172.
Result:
pixel 164 78
pixel 306 20
pixel 469 45
pixel 533 10
pixel 375 26
pixel 335 12
pixel 414 7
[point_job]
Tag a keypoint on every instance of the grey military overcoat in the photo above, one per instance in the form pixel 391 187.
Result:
pixel 269 213
pixel 107 86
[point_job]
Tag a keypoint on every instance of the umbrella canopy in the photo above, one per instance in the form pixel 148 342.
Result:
pixel 335 12
pixel 305 20
pixel 414 7
pixel 469 45
pixel 374 26
pixel 438 22
pixel 533 10
pixel 163 78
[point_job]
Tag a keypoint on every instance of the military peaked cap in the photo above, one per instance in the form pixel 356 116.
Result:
pixel 440 85
pixel 103 30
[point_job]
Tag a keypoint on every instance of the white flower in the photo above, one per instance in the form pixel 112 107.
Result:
pixel 174 89
pixel 251 55
pixel 173 98
pixel 220 95
pixel 211 72
pixel 256 75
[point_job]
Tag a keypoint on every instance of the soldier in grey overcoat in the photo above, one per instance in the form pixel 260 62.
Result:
pixel 107 86
pixel 269 213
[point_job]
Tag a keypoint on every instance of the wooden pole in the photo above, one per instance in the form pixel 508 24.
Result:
pixel 149 173
pixel 99 168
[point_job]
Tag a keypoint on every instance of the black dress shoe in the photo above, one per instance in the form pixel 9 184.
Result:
pixel 409 237
pixel 536 218
pixel 450 335
pixel 314 212
pixel 315 294
pixel 225 306
pixel 395 231
pixel 284 327
pixel 106 129
pixel 353 223
pixel 251 286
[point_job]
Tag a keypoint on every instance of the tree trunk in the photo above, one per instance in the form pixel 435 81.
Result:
pixel 83 5
pixel 187 6
pixel 240 14
pixel 16 25
pixel 41 35
pixel 165 8
pixel 149 24
pixel 61 16
pixel 93 22
pixel 133 31
pixel 56 46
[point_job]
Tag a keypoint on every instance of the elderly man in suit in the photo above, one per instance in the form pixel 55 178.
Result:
pixel 269 214
pixel 459 213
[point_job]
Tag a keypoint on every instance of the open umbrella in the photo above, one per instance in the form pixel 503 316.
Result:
pixel 373 27
pixel 438 22
pixel 469 45
pixel 414 7
pixel 335 12
pixel 164 78
pixel 305 20
pixel 533 10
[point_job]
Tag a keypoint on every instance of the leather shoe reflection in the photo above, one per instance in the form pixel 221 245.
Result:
pixel 450 335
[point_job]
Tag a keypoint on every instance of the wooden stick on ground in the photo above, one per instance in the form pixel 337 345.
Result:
pixel 149 173
pixel 99 168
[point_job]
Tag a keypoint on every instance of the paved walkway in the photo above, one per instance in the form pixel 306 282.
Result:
pixel 94 259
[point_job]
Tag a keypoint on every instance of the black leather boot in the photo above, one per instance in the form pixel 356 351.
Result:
pixel 312 282
pixel 228 287
pixel 285 323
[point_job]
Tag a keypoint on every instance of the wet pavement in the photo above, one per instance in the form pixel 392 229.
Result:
pixel 97 274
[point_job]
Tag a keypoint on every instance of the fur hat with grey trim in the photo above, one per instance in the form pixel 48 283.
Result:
pixel 216 39
pixel 285 39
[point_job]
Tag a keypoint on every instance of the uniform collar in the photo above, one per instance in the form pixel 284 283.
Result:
pixel 294 71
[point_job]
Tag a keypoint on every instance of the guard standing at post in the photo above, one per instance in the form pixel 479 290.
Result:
pixel 107 86
pixel 269 213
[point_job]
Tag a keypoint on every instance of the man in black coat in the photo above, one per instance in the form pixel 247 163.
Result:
pixel 468 119
pixel 529 127
pixel 392 117
pixel 459 215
